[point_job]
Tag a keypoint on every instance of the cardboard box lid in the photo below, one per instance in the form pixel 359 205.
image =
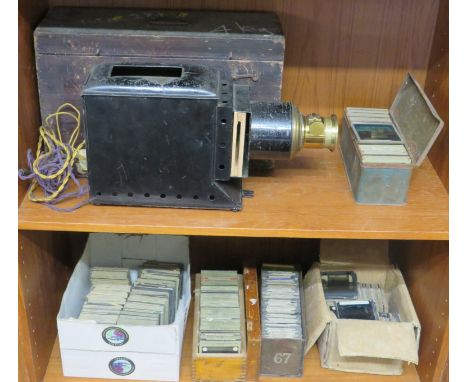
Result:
pixel 416 119
pixel 388 341
pixel 315 307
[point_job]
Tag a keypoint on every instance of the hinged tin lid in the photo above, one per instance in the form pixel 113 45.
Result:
pixel 416 119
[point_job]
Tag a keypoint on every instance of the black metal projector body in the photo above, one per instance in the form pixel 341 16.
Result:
pixel 177 136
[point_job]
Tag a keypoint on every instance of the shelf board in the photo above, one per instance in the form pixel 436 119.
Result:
pixel 305 198
pixel 312 369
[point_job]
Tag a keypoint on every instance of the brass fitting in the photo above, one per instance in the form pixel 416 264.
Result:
pixel 313 131
pixel 320 132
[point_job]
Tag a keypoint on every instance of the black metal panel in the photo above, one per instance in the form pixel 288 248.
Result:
pixel 222 167
pixel 154 147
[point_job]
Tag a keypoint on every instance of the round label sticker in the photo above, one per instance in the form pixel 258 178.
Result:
pixel 121 366
pixel 115 336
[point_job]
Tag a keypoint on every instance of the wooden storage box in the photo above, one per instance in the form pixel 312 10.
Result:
pixel 285 356
pixel 245 46
pixel 218 367
pixel 252 323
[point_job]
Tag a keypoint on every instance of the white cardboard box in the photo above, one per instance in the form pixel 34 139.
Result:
pixel 127 351
pixel 377 347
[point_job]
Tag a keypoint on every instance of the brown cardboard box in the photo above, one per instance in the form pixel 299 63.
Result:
pixel 363 346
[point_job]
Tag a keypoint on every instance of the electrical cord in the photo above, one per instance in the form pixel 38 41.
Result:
pixel 53 167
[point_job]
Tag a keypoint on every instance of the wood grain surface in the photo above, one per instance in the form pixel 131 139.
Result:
pixel 26 372
pixel 252 322
pixel 339 52
pixel 205 252
pixel 308 197
pixel 29 13
pixel 312 369
pixel 437 89
pixel 425 267
pixel 44 264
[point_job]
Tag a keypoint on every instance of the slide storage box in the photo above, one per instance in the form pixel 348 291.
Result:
pixel 364 346
pixel 285 356
pixel 418 125
pixel 225 367
pixel 122 351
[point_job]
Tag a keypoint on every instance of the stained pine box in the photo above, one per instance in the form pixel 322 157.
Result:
pixel 218 367
pixel 245 46
pixel 252 323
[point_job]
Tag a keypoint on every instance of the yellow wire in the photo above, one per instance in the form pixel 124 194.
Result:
pixel 45 148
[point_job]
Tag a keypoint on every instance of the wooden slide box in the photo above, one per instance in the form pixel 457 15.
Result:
pixel 252 321
pixel 284 357
pixel 218 367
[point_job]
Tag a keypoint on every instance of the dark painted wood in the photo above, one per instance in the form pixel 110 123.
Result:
pixel 247 47
pixel 61 77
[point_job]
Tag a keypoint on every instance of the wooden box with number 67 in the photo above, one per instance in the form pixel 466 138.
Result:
pixel 284 356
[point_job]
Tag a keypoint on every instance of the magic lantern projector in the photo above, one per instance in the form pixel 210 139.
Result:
pixel 182 136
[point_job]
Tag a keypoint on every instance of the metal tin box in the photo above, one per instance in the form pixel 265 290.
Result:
pixel 416 126
pixel 245 46
pixel 284 357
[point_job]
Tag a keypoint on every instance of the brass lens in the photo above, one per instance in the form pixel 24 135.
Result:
pixel 320 132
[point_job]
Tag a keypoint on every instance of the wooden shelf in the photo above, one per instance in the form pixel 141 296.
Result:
pixel 308 197
pixel 312 370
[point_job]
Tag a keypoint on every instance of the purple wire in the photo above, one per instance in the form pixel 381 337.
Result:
pixel 48 166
